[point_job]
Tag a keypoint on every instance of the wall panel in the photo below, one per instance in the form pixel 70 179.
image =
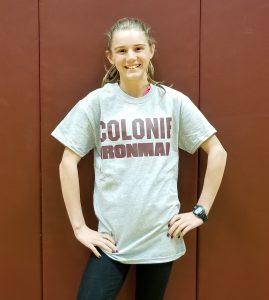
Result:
pixel 20 257
pixel 233 248
pixel 228 78
pixel 72 39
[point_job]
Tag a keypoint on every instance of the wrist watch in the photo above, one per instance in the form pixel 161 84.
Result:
pixel 199 212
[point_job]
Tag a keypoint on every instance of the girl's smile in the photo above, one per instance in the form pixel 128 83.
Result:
pixel 132 67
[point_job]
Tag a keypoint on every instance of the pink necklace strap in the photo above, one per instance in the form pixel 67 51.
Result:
pixel 147 90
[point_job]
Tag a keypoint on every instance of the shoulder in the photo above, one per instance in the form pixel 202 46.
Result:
pixel 174 95
pixel 94 98
pixel 93 102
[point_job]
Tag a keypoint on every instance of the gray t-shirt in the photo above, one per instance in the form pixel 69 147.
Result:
pixel 135 143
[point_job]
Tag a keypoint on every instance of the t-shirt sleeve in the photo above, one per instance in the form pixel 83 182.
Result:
pixel 194 128
pixel 76 131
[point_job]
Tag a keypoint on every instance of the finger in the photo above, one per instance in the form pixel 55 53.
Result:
pixel 173 220
pixel 186 230
pixel 104 246
pixel 172 229
pixel 179 229
pixel 109 244
pixel 94 250
pixel 108 237
pixel 176 224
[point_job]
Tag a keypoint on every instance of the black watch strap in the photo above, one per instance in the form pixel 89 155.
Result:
pixel 199 211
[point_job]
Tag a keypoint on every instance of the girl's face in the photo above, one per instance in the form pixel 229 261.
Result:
pixel 130 53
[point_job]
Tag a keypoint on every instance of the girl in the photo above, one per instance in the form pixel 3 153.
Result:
pixel 135 126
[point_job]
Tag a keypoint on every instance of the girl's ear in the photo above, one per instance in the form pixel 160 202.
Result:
pixel 152 50
pixel 109 57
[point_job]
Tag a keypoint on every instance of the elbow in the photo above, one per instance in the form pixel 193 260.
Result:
pixel 62 167
pixel 63 163
pixel 67 163
pixel 222 151
pixel 69 159
pixel 222 154
pixel 219 153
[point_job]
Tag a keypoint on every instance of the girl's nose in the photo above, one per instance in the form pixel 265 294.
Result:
pixel 130 55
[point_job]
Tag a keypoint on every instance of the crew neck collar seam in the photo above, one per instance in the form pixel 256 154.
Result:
pixel 135 100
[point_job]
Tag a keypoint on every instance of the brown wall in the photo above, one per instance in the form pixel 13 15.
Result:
pixel 20 196
pixel 233 249
pixel 51 56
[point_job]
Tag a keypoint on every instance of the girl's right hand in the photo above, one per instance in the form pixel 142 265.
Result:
pixel 92 239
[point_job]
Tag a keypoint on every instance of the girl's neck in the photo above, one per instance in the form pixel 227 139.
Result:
pixel 135 89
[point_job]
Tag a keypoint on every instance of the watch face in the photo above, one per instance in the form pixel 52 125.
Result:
pixel 198 210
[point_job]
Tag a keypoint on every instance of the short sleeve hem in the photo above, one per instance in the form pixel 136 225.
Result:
pixel 67 143
pixel 201 140
pixel 75 131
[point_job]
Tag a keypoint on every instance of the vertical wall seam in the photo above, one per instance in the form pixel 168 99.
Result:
pixel 198 159
pixel 40 149
pixel 199 57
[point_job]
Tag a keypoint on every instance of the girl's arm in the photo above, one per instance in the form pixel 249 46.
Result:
pixel 180 224
pixel 71 193
pixel 216 162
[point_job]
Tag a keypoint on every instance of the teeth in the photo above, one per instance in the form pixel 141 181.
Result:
pixel 132 67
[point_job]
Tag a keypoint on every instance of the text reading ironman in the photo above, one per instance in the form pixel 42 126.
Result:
pixel 133 132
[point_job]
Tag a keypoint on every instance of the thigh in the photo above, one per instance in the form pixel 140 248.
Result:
pixel 151 280
pixel 102 278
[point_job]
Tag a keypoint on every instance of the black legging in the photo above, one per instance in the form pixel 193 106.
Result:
pixel 103 278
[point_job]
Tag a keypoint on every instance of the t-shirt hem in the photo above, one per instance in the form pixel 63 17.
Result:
pixel 145 260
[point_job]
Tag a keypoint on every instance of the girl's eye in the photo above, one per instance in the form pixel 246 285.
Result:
pixel 121 51
pixel 139 48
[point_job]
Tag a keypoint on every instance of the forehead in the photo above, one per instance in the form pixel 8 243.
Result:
pixel 128 37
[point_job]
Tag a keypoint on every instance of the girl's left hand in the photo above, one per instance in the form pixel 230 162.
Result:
pixel 180 224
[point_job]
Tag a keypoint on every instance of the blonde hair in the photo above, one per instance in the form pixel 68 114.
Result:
pixel 112 75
